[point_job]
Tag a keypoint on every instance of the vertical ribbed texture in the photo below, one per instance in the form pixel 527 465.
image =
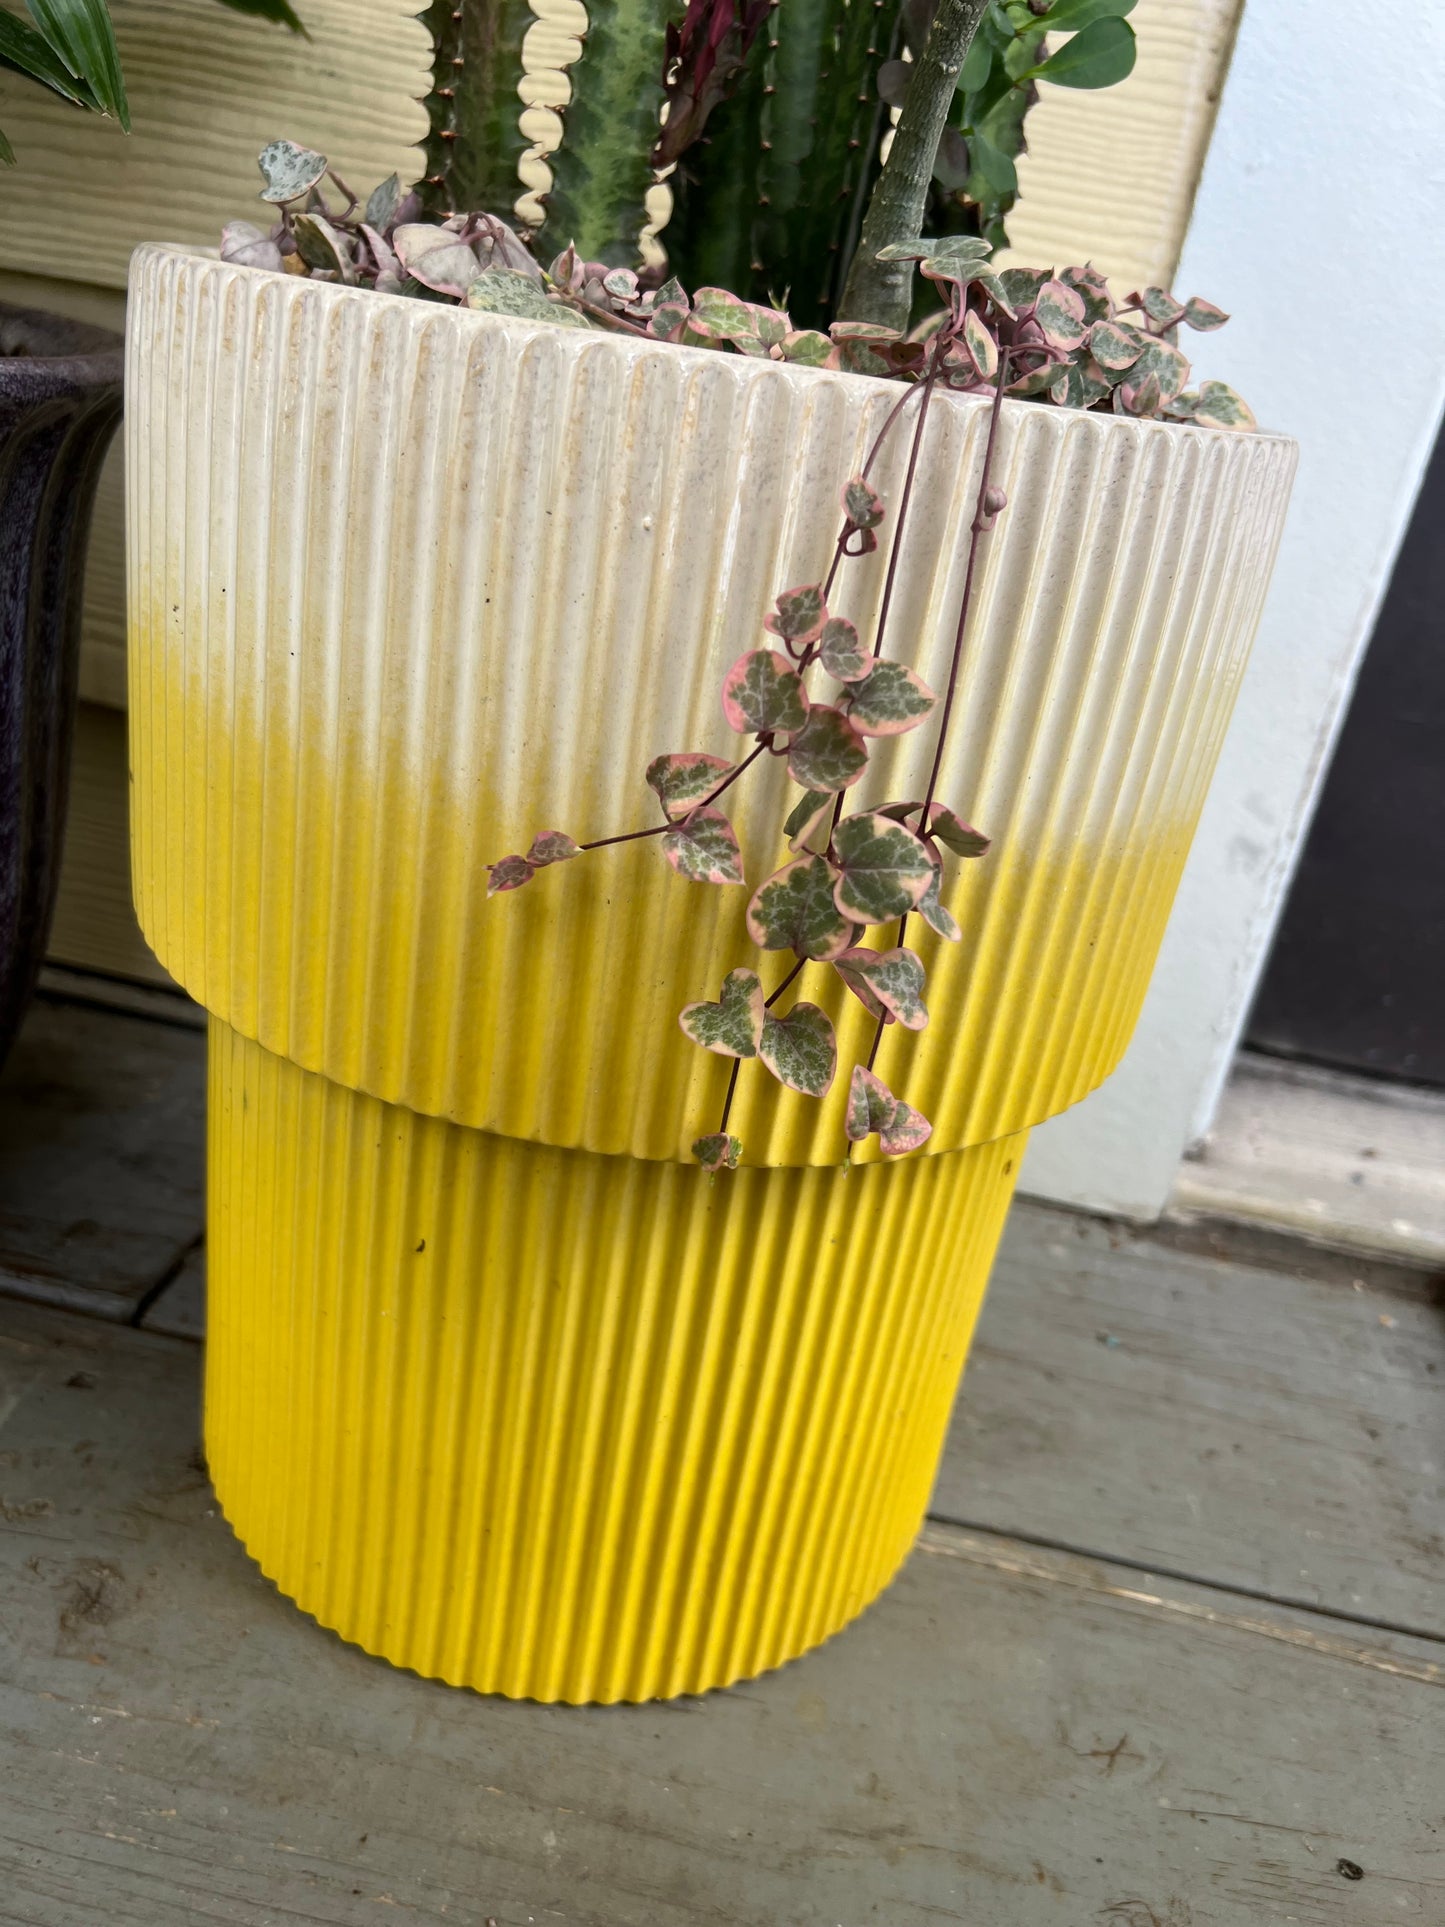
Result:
pixel 409 584
pixel 566 1426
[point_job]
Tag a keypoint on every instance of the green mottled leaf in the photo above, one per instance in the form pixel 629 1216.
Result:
pixel 905 1131
pixel 1169 367
pixel 931 906
pixel 1203 314
pixel 1022 285
pixel 703 847
pixel 509 874
pixel 948 247
pixel 805 817
pixel 883 868
pixel 718 1151
pixel 1098 56
pixel 862 504
pixel 1079 384
pixel 800 1049
pixel 1116 346
pixel 552 846
pixel 505 291
pixel 382 202
pixel 762 692
pixel 1220 407
pixel 889 983
pixel 319 245
pixel 1138 397
pixel 290 171
pixel 685 779
pixel 806 347
pixel 1161 307
pixel 733 1025
pixel 1059 311
pixel 889 700
pixel 800 613
pixel 794 910
pixel 873 1107
pixel 840 651
pixel 828 753
pixel 948 828
pixel 1092 289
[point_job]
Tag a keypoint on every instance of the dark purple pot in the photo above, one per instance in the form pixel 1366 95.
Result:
pixel 60 388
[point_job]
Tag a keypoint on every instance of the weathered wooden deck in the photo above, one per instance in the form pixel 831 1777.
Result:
pixel 1170 1653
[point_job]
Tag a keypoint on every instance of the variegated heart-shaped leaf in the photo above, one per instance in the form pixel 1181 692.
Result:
pixel 883 869
pixel 552 846
pixel 319 245
pixel 806 347
pixel 1161 307
pixel 807 817
pixel 800 1049
pixel 1022 285
pixel 718 1151
pixel 1059 312
pixel 982 348
pixel 1116 346
pixel 436 258
pixel 763 692
pixel 245 244
pixel 889 983
pixel 840 651
pixel 873 1107
pixel 1080 383
pixel 949 829
pixel 508 874
pixel 1168 366
pixel 685 779
pixel 382 203
pixel 932 909
pixel 1219 406
pixel 862 504
pixel 289 171
pixel 905 1131
pixel 1092 289
pixel 508 291
pixel 1203 315
pixel 703 847
pixel 799 614
pixel 733 1025
pixel 794 910
pixel 828 753
pixel 1140 397
pixel 890 699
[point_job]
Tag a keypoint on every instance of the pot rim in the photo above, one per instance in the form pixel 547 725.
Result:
pixel 755 366
pixel 85 355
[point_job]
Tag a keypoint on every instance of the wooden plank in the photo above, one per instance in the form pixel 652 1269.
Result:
pixel 1007 1737
pixel 208 88
pixel 1254 1428
pixel 95 925
pixel 1352 1162
pixel 101 1157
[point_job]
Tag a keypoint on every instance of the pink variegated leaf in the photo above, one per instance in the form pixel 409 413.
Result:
pixel 1168 366
pixel 1092 289
pixel 800 1049
pixel 1219 406
pixel 685 779
pixel 703 847
pixel 733 1026
pixel 828 753
pixel 1203 315
pixel 718 1151
pixel 840 651
pixel 888 700
pixel 888 982
pixel 944 825
pixel 862 504
pixel 931 906
pixel 883 869
pixel 1116 346
pixel 906 1131
pixel 807 818
pixel 1161 307
pixel 1141 397
pixel 806 347
pixel 1059 312
pixel 799 615
pixel 1080 384
pixel 436 258
pixel 794 910
pixel 552 846
pixel 982 348
pixel 870 1104
pixel 509 874
pixel 763 692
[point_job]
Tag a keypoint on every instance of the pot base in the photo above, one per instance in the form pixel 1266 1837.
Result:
pixel 564 1426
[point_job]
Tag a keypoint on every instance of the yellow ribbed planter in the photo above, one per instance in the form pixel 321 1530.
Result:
pixel 566 1426
pixel 499 1385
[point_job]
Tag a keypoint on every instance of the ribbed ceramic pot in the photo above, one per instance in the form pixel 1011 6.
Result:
pixel 60 388
pixel 410 583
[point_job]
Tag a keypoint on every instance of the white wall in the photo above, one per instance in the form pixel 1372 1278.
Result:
pixel 1320 224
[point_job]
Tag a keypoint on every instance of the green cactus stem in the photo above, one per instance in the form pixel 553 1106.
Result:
pixel 475 140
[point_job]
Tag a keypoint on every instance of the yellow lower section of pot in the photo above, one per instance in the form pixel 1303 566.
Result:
pixel 566 1426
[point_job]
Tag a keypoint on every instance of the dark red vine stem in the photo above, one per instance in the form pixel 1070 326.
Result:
pixel 784 984
pixel 661 829
pixel 728 1100
pixel 981 522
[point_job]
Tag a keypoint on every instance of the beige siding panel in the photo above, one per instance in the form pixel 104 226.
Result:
pixel 1109 177
pixel 208 87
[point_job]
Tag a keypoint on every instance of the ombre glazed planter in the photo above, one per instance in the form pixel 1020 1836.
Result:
pixel 499 1384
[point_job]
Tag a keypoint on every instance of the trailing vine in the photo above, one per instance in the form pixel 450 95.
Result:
pixel 1057 337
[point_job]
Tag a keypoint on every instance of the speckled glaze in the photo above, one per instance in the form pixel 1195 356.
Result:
pixel 60 394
